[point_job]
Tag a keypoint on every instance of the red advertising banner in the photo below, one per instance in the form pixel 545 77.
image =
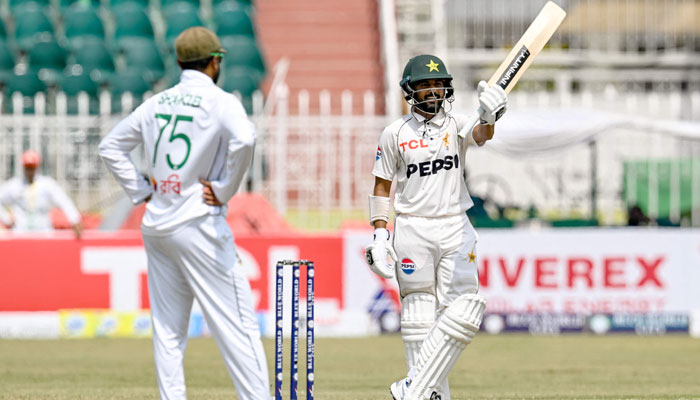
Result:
pixel 108 270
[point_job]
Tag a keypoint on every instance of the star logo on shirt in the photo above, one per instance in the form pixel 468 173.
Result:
pixel 472 257
pixel 433 66
pixel 446 138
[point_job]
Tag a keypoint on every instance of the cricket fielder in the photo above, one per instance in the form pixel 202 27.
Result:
pixel 198 143
pixel 434 244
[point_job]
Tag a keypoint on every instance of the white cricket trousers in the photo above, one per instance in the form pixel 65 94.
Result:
pixel 199 261
pixel 437 255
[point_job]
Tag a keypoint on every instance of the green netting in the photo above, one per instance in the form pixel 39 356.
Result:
pixel 670 180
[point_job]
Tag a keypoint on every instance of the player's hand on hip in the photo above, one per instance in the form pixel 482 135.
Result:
pixel 208 194
pixel 493 102
pixel 376 254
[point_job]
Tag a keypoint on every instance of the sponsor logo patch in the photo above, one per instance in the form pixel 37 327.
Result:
pixel 379 153
pixel 408 266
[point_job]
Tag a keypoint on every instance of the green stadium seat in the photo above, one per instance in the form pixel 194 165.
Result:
pixel 81 22
pixel 165 5
pixel 172 76
pixel 75 81
pixel 17 5
pixel 131 21
pixel 242 80
pixel 48 58
pixel 243 51
pixel 95 59
pixel 131 81
pixel 241 3
pixel 30 22
pixel 3 30
pixel 114 4
pixel 7 62
pixel 179 17
pixel 65 4
pixel 231 20
pixel 28 84
pixel 144 56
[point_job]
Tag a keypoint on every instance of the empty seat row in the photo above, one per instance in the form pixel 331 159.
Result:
pixel 63 4
pixel 75 81
pixel 140 53
pixel 130 21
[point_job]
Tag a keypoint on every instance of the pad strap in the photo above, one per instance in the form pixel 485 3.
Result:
pixel 379 207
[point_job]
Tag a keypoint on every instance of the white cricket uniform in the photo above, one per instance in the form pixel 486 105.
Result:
pixel 193 130
pixel 433 238
pixel 30 204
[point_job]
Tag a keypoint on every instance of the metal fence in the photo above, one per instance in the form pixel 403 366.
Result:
pixel 316 169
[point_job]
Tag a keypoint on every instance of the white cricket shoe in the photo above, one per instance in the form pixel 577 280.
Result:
pixel 399 388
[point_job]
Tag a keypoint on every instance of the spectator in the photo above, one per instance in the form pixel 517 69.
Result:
pixel 636 217
pixel 30 199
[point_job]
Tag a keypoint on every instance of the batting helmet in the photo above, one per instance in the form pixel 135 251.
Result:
pixel 422 67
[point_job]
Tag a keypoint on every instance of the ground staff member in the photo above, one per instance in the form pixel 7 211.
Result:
pixel 434 242
pixel 31 197
pixel 198 143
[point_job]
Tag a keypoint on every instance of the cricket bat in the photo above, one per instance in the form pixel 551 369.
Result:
pixel 528 47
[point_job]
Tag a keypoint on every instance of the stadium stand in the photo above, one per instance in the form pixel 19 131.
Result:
pixel 16 5
pixel 144 56
pixel 232 19
pixel 178 17
pixel 166 5
pixel 31 20
pixel 28 84
pixel 96 59
pixel 65 4
pixel 118 46
pixel 131 81
pixel 3 30
pixel 47 57
pixel 238 79
pixel 244 52
pixel 81 22
pixel 114 4
pixel 75 81
pixel 130 21
pixel 7 62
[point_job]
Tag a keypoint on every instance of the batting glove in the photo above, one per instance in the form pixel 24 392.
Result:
pixel 492 102
pixel 377 252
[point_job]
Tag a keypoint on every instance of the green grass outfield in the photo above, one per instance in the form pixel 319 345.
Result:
pixel 493 367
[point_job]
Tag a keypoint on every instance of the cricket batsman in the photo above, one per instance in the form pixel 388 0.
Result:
pixel 434 244
pixel 198 143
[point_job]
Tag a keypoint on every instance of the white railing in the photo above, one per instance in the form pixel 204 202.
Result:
pixel 316 168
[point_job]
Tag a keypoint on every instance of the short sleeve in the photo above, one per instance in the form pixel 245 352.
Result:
pixel 387 157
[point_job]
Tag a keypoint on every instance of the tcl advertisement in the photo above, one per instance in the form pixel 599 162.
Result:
pixel 54 285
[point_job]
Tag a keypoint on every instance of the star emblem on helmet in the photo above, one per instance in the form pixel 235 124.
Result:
pixel 433 66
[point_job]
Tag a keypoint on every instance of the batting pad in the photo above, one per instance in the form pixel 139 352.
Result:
pixel 379 207
pixel 444 344
pixel 418 315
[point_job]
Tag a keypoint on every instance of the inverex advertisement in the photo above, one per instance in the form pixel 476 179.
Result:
pixel 60 285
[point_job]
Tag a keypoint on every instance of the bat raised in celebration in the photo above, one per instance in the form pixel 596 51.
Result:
pixel 524 52
pixel 528 47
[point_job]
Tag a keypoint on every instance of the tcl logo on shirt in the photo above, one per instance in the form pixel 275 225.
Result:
pixel 432 167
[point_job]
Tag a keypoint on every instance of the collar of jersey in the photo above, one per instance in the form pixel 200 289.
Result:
pixel 190 76
pixel 436 121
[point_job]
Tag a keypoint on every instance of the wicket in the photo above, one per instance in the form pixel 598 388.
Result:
pixel 279 314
